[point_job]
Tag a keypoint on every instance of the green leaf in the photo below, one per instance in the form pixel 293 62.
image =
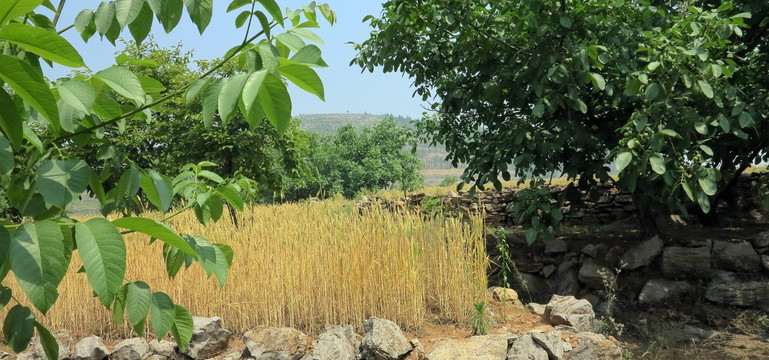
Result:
pixel 706 149
pixel 106 106
pixel 724 123
pixel 48 342
pixel 162 313
pixel 708 184
pixel 565 22
pixel 701 127
pixel 704 202
pixel 228 96
pixel 194 89
pixel 652 91
pixel 292 41
pixel 38 260
pixel 307 34
pixel 273 8
pixel 200 12
pixel 118 308
pixel 10 9
pixel 668 132
pixel 48 44
pixel 124 82
pixel 6 156
pixel 276 102
pixel 182 328
pixel 598 81
pixel 531 235
pixel 231 196
pixel 126 11
pixel 658 163
pixel 157 230
pixel 228 253
pixel 687 190
pixel 705 88
pixel 78 94
pixel 10 121
pixel 168 12
pixel 158 189
pixel 309 55
pixel 251 88
pixel 745 119
pixel 304 77
pixel 103 252
pixel 142 25
pixel 31 86
pixel 150 85
pixel 138 299
pixel 5 293
pixel 61 181
pixel 210 101
pixel 623 160
pixel 84 24
pixel 237 4
pixel 104 17
pixel 19 326
pixel 212 258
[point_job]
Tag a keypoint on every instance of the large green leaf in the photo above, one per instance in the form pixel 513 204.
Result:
pixel 6 156
pixel 118 307
pixel 183 327
pixel 705 88
pixel 623 160
pixel 104 17
pixel 10 121
pixel 162 313
pixel 62 181
pixel 142 25
pixel 228 96
pixel 5 296
pixel 708 184
pixel 48 342
pixel 48 44
pixel 78 94
pixel 310 55
pixel 157 230
pixel 103 252
pixel 106 106
pixel 252 87
pixel 168 12
pixel 658 163
pixel 38 261
pixel 210 101
pixel 124 82
pixel 85 25
pixel 19 326
pixel 273 8
pixel 69 117
pixel 212 258
pixel 276 102
pixel 10 9
pixel 304 77
pixel 200 12
pixel 126 11
pixel 138 299
pixel 31 86
pixel 231 196
pixel 293 42
pixel 158 189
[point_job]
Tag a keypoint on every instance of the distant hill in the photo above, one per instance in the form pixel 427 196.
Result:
pixel 436 168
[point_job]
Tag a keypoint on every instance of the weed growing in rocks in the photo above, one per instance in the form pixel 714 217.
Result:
pixel 607 324
pixel 479 321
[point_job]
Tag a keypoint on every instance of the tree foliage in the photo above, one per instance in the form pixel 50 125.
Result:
pixel 44 124
pixel 674 92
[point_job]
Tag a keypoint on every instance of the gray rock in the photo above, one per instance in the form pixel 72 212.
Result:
pixel 166 349
pixel 209 338
pixel 739 256
pixel 90 348
pixel 131 349
pixel 498 293
pixel 524 348
pixel 548 270
pixel 566 281
pixel 538 309
pixel 761 240
pixel 660 292
pixel 595 251
pixel 383 340
pixel 642 254
pixel 336 343
pixel 692 331
pixel 6 356
pixel 273 343
pixel 550 341
pixel 236 354
pixel 594 274
pixel 556 246
pixel 686 262
pixel 765 262
pixel 727 289
pixel 35 350
pixel 417 352
pixel 612 258
pixel 567 310
pixel 488 347
pixel 595 347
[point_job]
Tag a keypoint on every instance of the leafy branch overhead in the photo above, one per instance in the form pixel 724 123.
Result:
pixel 45 125
pixel 674 93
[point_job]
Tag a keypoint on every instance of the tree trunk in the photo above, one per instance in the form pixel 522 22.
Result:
pixel 647 217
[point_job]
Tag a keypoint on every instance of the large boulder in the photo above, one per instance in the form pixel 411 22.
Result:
pixel 35 350
pixel 728 289
pixel 273 343
pixel 660 292
pixel 594 347
pixel 525 348
pixel 90 348
pixel 488 347
pixel 165 349
pixel 686 262
pixel 209 338
pixel 131 349
pixel 593 274
pixel 567 310
pixel 642 254
pixel 551 342
pixel 336 343
pixel 736 256
pixel 383 340
pixel 498 293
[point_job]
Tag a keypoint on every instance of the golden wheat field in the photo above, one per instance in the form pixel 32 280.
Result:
pixel 305 266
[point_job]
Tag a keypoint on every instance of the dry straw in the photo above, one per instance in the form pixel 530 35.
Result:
pixel 305 266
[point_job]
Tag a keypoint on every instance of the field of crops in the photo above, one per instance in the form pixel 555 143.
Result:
pixel 305 266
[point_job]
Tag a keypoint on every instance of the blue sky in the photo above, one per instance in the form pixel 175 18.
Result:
pixel 347 89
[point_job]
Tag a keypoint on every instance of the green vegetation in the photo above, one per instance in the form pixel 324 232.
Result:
pixel 46 125
pixel 674 93
pixel 479 321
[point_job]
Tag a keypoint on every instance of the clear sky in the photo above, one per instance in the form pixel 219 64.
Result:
pixel 347 89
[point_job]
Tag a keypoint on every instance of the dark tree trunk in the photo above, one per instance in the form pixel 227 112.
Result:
pixel 647 217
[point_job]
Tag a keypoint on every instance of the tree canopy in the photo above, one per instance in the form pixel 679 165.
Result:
pixel 673 92
pixel 44 122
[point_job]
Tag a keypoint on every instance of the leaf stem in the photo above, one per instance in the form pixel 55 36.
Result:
pixel 58 12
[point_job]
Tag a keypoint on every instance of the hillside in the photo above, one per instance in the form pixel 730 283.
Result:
pixel 436 168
